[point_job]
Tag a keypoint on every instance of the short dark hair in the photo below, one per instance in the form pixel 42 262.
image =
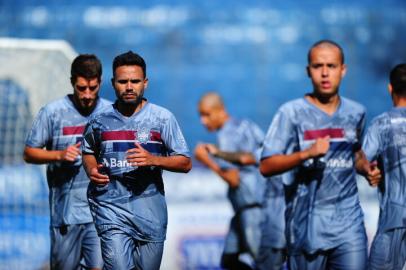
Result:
pixel 129 59
pixel 325 42
pixel 397 79
pixel 87 66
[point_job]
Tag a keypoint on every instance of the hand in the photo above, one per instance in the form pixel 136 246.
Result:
pixel 202 153
pixel 97 177
pixel 138 156
pixel 71 153
pixel 212 149
pixel 373 174
pixel 319 148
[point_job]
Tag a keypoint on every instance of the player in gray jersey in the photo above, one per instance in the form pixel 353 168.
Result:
pixel 55 139
pixel 126 148
pixel 246 185
pixel 316 138
pixel 385 149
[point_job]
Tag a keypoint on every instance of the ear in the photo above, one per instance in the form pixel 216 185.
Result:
pixel 390 89
pixel 112 82
pixel 145 83
pixel 343 70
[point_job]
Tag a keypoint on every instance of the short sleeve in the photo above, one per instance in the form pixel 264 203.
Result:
pixel 41 130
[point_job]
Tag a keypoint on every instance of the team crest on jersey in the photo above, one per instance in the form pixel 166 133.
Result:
pixel 143 135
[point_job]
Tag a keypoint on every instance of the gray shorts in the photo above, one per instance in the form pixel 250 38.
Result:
pixel 75 246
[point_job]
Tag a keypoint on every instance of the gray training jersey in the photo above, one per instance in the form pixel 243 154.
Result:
pixel 243 136
pixel 323 208
pixel 58 125
pixel 134 199
pixel 385 142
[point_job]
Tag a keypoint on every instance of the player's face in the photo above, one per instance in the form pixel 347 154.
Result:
pixel 326 70
pixel 129 83
pixel 209 117
pixel 86 91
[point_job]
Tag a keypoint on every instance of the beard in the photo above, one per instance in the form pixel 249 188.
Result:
pixel 134 101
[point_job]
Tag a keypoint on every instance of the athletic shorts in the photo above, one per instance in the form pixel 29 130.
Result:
pixel 244 234
pixel 75 245
pixel 347 256
pixel 388 250
pixel 270 259
pixel 121 251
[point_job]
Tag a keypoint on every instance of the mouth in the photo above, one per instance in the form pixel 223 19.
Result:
pixel 325 85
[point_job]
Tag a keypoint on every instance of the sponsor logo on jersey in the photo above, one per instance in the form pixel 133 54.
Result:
pixel 115 163
pixel 340 140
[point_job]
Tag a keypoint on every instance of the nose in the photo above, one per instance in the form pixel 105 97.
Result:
pixel 324 71
pixel 87 94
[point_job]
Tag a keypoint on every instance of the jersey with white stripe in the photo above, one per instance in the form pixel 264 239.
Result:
pixel 323 207
pixel 385 142
pixel 58 125
pixel 134 198
pixel 243 136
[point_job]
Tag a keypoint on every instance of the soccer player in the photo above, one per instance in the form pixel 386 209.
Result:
pixel 245 183
pixel 317 137
pixel 272 247
pixel 126 147
pixel 55 139
pixel 385 144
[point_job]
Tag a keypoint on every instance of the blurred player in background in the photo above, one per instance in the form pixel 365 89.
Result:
pixel 385 144
pixel 126 149
pixel 272 248
pixel 246 185
pixel 55 139
pixel 318 136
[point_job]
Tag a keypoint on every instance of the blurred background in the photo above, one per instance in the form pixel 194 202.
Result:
pixel 253 53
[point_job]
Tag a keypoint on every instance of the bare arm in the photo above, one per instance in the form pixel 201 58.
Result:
pixel 92 170
pixel 368 169
pixel 241 158
pixel 231 176
pixel 281 163
pixel 42 156
pixel 140 157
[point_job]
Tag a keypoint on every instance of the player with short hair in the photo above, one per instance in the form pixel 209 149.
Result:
pixel 58 128
pixel 126 148
pixel 246 185
pixel 385 149
pixel 317 137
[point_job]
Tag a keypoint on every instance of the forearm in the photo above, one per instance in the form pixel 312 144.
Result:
pixel 281 163
pixel 41 156
pixel 241 158
pixel 177 163
pixel 361 163
pixel 89 162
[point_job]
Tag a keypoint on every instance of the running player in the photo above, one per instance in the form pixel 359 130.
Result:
pixel 125 150
pixel 317 137
pixel 58 128
pixel 245 183
pixel 272 247
pixel 385 143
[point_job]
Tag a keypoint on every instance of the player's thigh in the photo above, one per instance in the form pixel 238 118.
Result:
pixel 231 241
pixel 118 249
pixel 349 256
pixel 388 250
pixel 148 255
pixel 270 258
pixel 304 261
pixel 250 228
pixel 91 249
pixel 66 244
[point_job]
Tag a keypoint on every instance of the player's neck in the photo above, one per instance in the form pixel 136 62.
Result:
pixel 399 102
pixel 327 104
pixel 129 109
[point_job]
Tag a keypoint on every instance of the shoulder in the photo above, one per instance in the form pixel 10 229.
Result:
pixel 101 116
pixel 381 119
pixel 159 111
pixel 105 102
pixel 353 105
